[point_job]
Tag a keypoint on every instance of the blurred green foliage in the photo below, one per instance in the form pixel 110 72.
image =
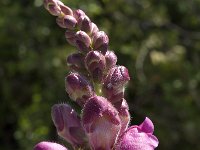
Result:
pixel 158 41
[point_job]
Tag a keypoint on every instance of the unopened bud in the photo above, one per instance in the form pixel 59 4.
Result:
pixel 83 41
pixel 100 42
pixel 68 124
pixel 60 21
pixel 65 9
pixel 70 22
pixel 49 146
pixel 85 24
pixel 78 13
pixel 137 138
pixel 70 37
pixel 114 83
pixel 53 7
pixel 101 123
pixel 94 29
pixel 66 21
pixel 75 62
pixel 95 64
pixel 123 109
pixel 78 88
pixel 111 59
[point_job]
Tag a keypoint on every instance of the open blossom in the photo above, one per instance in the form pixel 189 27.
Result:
pixel 138 137
pixel 97 84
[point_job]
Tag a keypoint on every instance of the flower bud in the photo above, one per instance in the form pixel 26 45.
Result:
pixel 70 37
pixel 78 88
pixel 60 21
pixel 114 83
pixel 78 13
pixel 66 21
pixel 138 137
pixel 95 64
pixel 70 22
pixel 83 41
pixel 85 24
pixel 49 146
pixel 68 124
pixel 100 42
pixel 53 7
pixel 75 62
pixel 65 9
pixel 122 108
pixel 94 29
pixel 101 123
pixel 111 59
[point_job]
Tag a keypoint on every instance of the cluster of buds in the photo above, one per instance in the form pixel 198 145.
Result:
pixel 97 84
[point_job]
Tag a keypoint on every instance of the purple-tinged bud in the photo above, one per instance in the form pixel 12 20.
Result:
pixel 111 59
pixel 68 124
pixel 94 30
pixel 138 137
pixel 85 24
pixel 78 13
pixel 53 7
pixel 95 64
pixel 101 123
pixel 75 62
pixel 83 41
pixel 78 88
pixel 60 21
pixel 114 83
pixel 100 42
pixel 49 146
pixel 123 109
pixel 66 21
pixel 70 22
pixel 70 37
pixel 65 9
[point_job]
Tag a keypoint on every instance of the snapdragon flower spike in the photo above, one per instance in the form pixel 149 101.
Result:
pixel 101 123
pixel 49 146
pixel 83 41
pixel 78 88
pixel 100 42
pixel 95 64
pixel 123 109
pixel 75 62
pixel 111 59
pixel 68 124
pixel 114 83
pixel 138 137
pixel 105 119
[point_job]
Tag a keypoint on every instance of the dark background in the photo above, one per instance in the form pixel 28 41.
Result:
pixel 157 40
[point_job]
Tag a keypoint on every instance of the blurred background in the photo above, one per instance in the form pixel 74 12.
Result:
pixel 158 41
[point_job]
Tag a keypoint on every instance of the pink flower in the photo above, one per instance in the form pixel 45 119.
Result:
pixel 49 146
pixel 138 137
